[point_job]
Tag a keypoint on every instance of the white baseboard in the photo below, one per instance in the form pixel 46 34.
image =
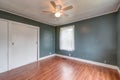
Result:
pixel 118 70
pixel 47 56
pixel 82 60
pixel 91 62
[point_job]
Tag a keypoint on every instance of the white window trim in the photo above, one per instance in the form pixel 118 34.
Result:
pixel 73 44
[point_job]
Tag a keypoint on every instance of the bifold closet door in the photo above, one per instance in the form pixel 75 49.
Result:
pixel 23 44
pixel 3 46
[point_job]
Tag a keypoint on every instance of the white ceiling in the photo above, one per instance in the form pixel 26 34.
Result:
pixel 82 9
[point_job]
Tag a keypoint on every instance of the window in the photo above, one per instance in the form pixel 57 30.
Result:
pixel 67 38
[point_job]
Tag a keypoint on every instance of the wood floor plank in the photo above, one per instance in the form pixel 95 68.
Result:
pixel 57 68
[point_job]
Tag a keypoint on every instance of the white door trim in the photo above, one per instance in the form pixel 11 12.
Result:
pixel 38 43
pixel 9 39
pixel 5 56
pixel 30 26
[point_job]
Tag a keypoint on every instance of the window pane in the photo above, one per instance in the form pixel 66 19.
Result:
pixel 67 38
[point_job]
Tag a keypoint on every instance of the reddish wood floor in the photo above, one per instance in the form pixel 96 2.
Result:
pixel 57 68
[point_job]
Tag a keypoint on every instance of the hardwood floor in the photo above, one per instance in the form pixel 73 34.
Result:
pixel 57 68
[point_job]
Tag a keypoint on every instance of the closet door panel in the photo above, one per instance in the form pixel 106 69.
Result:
pixel 24 46
pixel 3 46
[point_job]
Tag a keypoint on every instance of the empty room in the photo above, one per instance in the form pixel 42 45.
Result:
pixel 59 39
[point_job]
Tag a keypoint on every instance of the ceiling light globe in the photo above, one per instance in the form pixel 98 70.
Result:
pixel 57 14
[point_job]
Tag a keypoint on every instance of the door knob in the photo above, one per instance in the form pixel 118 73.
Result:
pixel 12 43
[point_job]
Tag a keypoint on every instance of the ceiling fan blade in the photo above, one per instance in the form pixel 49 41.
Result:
pixel 67 8
pixel 53 4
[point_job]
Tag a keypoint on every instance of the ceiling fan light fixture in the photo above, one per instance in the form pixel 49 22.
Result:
pixel 58 9
pixel 57 14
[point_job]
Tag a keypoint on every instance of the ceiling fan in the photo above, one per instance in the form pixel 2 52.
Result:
pixel 58 9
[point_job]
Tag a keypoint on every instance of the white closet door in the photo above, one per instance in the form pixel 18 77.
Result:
pixel 23 40
pixel 3 46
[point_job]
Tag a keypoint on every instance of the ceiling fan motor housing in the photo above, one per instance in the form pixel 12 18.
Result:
pixel 58 7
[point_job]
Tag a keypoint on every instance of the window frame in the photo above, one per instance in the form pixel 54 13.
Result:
pixel 73 40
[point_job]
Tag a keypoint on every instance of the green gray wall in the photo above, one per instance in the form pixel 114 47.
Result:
pixel 98 42
pixel 47 32
pixel 118 56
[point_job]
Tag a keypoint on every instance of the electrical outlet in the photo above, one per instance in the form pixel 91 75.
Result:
pixel 69 54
